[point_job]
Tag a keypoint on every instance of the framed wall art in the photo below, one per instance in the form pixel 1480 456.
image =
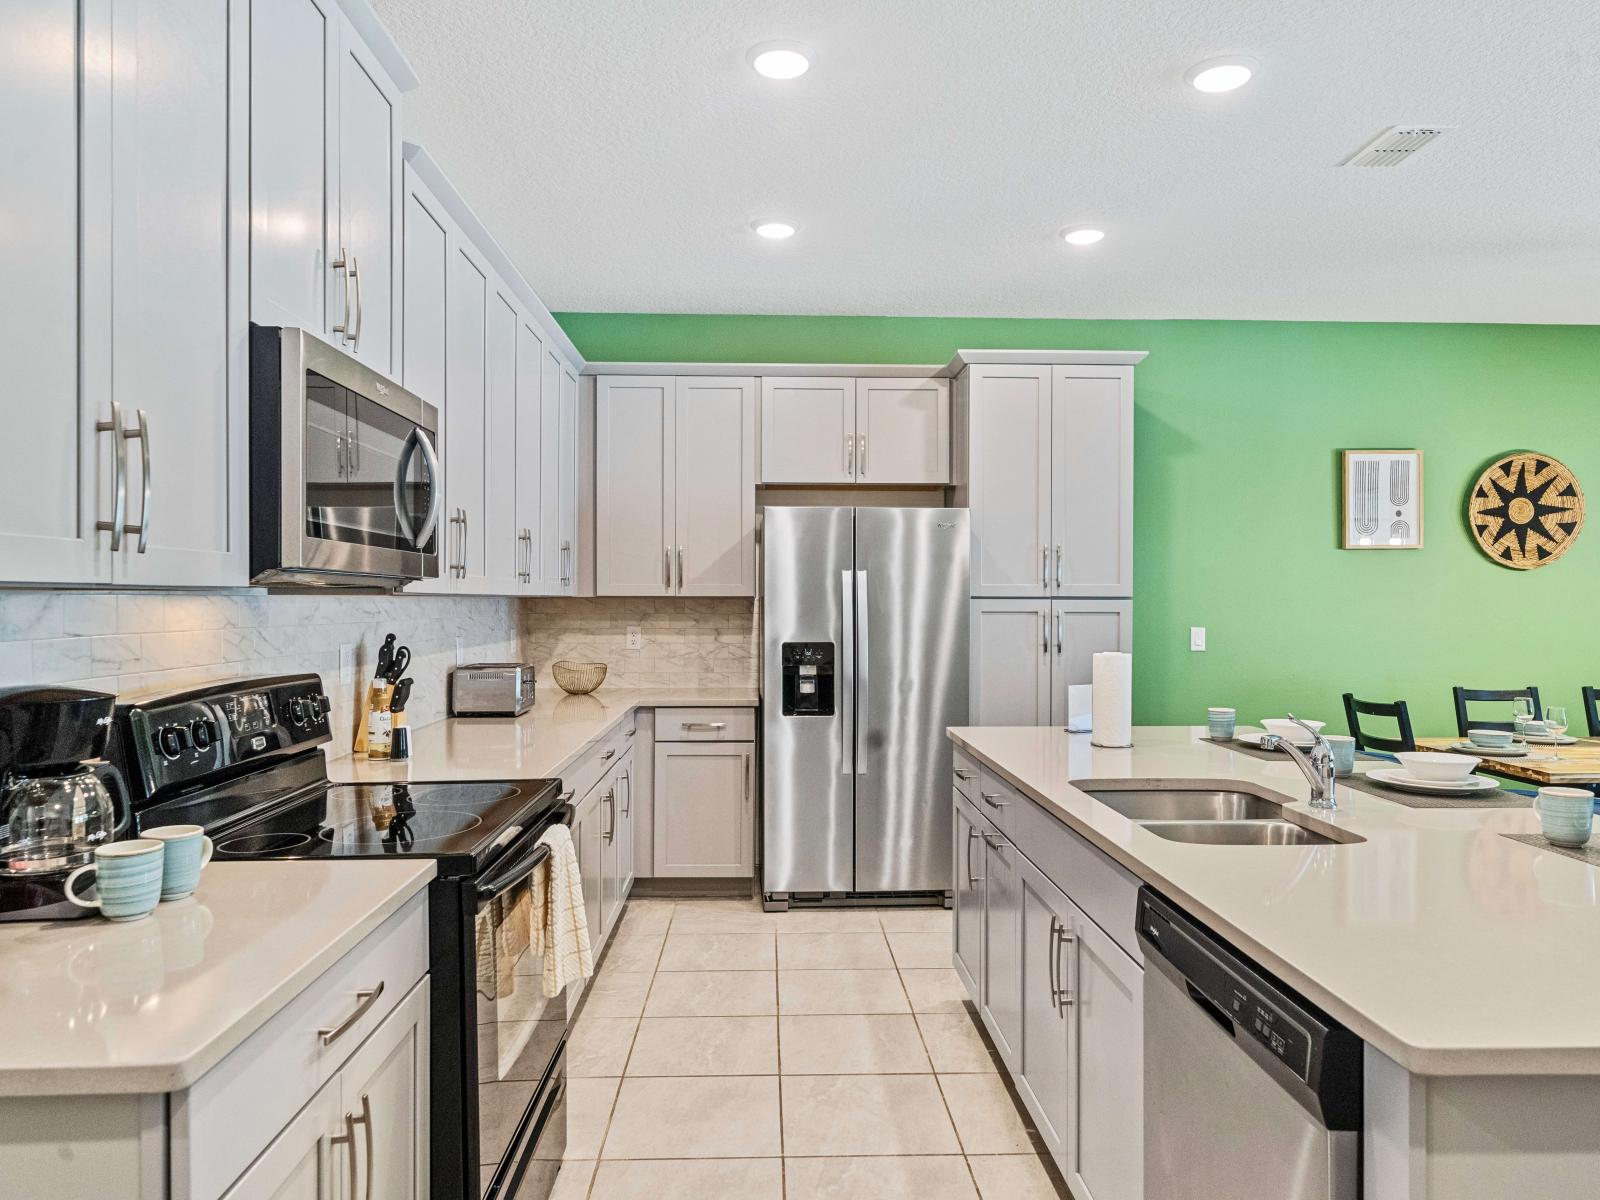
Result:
pixel 1383 499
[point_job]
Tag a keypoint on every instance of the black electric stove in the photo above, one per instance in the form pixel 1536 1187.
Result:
pixel 244 761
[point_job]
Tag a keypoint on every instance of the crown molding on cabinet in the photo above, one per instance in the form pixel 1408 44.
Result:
pixel 485 243
pixel 962 360
pixel 384 47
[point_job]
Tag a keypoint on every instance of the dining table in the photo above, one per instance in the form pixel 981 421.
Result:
pixel 1577 765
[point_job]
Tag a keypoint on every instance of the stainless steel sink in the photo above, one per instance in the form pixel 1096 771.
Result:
pixel 1182 804
pixel 1238 833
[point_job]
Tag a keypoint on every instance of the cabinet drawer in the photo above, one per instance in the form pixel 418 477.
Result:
pixel 1103 888
pixel 228 1117
pixel 591 767
pixel 966 775
pixel 998 800
pixel 705 724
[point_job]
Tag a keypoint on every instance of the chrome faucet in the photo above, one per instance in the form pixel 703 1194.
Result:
pixel 1317 766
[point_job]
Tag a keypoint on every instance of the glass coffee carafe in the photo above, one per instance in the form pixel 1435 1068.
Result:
pixel 54 822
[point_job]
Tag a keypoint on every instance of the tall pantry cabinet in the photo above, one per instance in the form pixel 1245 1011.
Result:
pixel 127 327
pixel 1044 459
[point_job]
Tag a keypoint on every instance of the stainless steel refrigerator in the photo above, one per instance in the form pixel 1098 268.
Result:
pixel 864 666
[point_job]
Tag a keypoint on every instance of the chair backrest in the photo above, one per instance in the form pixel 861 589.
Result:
pixel 1591 709
pixel 1464 696
pixel 1395 710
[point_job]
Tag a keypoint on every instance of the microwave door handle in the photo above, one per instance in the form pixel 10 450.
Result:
pixel 401 467
pixel 430 458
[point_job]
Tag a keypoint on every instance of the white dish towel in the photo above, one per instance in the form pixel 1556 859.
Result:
pixel 560 924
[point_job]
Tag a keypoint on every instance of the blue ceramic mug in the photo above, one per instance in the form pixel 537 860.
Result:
pixel 188 851
pixel 127 879
pixel 1566 815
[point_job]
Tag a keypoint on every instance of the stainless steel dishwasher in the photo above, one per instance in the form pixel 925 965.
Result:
pixel 1250 1092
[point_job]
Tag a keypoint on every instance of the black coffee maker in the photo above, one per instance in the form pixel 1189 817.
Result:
pixel 56 804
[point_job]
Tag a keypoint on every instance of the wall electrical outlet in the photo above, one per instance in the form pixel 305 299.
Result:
pixel 461 647
pixel 635 638
pixel 1197 637
pixel 347 663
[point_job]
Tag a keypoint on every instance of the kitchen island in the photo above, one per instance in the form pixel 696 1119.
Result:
pixel 1465 961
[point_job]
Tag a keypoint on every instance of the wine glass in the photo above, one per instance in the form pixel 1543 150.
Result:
pixel 1555 720
pixel 1521 714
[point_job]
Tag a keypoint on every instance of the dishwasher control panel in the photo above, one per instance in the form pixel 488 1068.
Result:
pixel 1271 1027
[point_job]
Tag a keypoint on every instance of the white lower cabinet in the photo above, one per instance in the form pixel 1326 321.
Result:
pixel 704 813
pixel 302 1163
pixel 1062 1001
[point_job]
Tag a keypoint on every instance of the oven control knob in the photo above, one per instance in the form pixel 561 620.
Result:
pixel 297 711
pixel 200 733
pixel 170 741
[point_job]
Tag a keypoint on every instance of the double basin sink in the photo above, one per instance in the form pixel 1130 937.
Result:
pixel 1208 817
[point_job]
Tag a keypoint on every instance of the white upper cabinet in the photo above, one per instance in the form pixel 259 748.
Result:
pixel 827 430
pixel 125 116
pixel 808 430
pixel 675 486
pixel 1009 482
pixel 556 479
pixel 466 413
pixel 902 431
pixel 529 458
pixel 325 181
pixel 503 549
pixel 567 510
pixel 425 265
pixel 1050 479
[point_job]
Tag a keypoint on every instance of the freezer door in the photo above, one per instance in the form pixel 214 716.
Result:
pixel 911 685
pixel 807 760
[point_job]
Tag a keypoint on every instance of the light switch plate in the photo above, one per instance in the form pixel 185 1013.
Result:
pixel 347 662
pixel 1197 637
pixel 461 647
pixel 635 638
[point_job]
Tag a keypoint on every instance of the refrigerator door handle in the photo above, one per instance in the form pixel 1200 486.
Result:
pixel 863 686
pixel 847 680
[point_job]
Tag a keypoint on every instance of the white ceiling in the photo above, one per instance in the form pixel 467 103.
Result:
pixel 620 149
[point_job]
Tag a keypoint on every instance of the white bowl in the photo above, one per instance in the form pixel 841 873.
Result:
pixel 1289 731
pixel 1490 739
pixel 1439 767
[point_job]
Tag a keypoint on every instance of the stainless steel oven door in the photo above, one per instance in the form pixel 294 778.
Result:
pixel 521 1035
pixel 362 490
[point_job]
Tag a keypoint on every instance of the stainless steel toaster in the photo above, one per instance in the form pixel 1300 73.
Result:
pixel 491 690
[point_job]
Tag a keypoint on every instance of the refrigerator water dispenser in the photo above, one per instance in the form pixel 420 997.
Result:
pixel 808 679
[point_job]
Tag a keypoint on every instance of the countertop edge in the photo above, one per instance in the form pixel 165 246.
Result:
pixel 176 1076
pixel 1419 1060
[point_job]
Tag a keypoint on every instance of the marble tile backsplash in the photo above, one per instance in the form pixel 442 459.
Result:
pixel 694 642
pixel 149 643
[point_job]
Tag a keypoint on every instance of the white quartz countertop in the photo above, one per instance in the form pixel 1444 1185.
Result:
pixel 540 744
pixel 1451 949
pixel 96 1007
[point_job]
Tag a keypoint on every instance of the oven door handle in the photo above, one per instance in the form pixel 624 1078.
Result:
pixel 503 878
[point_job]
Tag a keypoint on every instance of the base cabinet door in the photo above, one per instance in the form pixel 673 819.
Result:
pixel 704 810
pixel 305 1161
pixel 1080 629
pixel 610 853
pixel 1105 1004
pixel 1000 993
pixel 1010 662
pixel 591 867
pixel 625 827
pixel 968 895
pixel 384 1093
pixel 1043 1072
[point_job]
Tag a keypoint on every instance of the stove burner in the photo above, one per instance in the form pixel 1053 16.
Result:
pixel 405 829
pixel 263 844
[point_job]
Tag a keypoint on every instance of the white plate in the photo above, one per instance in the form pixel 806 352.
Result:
pixel 1547 740
pixel 1485 752
pixel 1407 782
pixel 1249 735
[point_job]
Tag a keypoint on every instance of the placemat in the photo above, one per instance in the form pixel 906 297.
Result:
pixel 1247 748
pixel 1589 854
pixel 1499 798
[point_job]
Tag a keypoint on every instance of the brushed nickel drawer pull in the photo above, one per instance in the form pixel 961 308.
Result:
pixel 992 799
pixel 960 774
pixel 707 726
pixel 365 1000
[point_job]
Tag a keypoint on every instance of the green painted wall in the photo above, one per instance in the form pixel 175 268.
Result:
pixel 1237 493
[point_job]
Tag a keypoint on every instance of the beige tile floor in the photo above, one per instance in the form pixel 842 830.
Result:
pixel 724 1052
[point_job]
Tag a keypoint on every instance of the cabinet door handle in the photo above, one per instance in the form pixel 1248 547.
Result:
pixel 348 1138
pixel 1055 963
pixel 1058 565
pixel 610 800
pixel 355 443
pixel 1058 633
pixel 627 792
pixel 666 567
pixel 338 455
pixel 960 774
pixel 995 842
pixel 365 1120
pixel 364 1001
pixel 850 456
pixel 680 570
pixel 355 277
pixel 464 536
pixel 749 760
pixel 342 263
pixel 143 434
pixel 861 455
pixel 992 799
pixel 566 563
pixel 1044 620
pixel 608 755
pixel 1064 993
pixel 1044 567
pixel 972 833
pixel 119 475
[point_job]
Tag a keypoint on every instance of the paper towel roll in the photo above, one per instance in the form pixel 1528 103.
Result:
pixel 1113 700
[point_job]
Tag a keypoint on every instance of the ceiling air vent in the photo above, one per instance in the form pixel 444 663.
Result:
pixel 1394 146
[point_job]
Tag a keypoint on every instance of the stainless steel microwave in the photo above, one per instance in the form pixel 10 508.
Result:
pixel 345 484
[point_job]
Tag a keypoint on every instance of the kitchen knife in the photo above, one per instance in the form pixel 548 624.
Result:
pixel 402 693
pixel 398 665
pixel 385 658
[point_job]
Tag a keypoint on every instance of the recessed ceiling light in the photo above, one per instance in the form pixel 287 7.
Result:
pixel 780 60
pixel 1221 74
pixel 776 230
pixel 1083 235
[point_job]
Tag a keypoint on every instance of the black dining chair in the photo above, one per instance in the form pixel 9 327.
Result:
pixel 1591 709
pixel 1464 696
pixel 1395 710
